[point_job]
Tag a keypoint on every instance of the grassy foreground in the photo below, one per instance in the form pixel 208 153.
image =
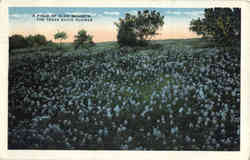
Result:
pixel 172 95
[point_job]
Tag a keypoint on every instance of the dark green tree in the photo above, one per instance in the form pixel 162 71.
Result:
pixel 36 40
pixel 61 36
pixel 83 39
pixel 40 40
pixel 126 34
pixel 30 40
pixel 138 29
pixel 17 41
pixel 220 25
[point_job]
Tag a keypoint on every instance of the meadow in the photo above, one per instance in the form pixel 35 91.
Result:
pixel 171 95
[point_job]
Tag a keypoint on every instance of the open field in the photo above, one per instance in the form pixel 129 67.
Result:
pixel 171 95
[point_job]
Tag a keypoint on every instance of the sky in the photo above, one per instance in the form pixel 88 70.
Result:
pixel 23 20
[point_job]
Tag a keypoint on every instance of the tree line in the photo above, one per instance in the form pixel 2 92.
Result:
pixel 222 26
pixel 17 41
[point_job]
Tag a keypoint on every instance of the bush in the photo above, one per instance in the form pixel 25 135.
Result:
pixel 30 40
pixel 40 40
pixel 36 40
pixel 17 41
pixel 82 39
pixel 137 30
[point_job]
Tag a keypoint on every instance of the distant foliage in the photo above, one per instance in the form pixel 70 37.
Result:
pixel 17 41
pixel 220 25
pixel 36 40
pixel 83 39
pixel 61 36
pixel 138 29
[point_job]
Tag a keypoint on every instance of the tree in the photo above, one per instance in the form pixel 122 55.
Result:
pixel 126 35
pixel 138 29
pixel 30 40
pixel 17 41
pixel 40 40
pixel 36 40
pixel 220 25
pixel 82 39
pixel 61 36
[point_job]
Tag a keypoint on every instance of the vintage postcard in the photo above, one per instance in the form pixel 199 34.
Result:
pixel 125 78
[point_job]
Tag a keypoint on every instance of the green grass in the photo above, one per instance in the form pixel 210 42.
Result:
pixel 198 43
pixel 192 42
pixel 68 48
pixel 150 88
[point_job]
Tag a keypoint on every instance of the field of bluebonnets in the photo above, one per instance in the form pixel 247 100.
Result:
pixel 170 96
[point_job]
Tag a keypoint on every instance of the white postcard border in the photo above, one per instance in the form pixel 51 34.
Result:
pixel 61 155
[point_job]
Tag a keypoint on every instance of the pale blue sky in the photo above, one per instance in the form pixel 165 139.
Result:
pixel 21 21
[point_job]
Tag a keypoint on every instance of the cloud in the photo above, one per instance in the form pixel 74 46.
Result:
pixel 195 13
pixel 173 12
pixel 112 13
pixel 19 16
pixel 24 16
pixel 82 13
pixel 48 13
pixel 133 12
pixel 15 15
pixel 187 13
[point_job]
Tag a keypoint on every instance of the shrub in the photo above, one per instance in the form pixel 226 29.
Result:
pixel 40 40
pixel 82 39
pixel 30 40
pixel 138 29
pixel 36 40
pixel 17 41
